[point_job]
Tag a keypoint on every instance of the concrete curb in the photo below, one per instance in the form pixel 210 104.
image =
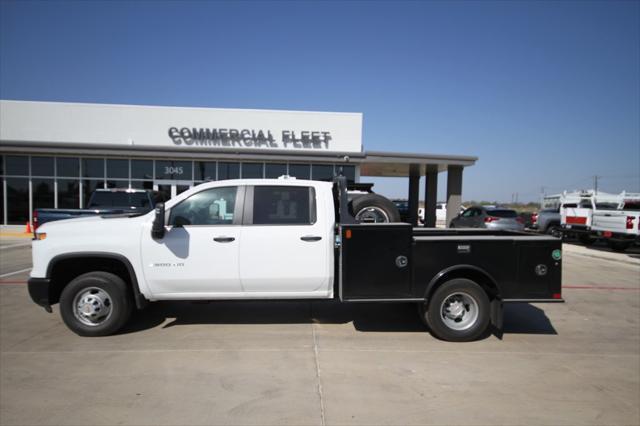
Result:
pixel 10 234
pixel 597 254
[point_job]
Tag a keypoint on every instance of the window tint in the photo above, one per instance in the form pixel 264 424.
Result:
pixel 607 206
pixel 68 194
pixel 228 171
pixel 252 170
pixel 272 170
pixel 68 167
pixel 468 213
pixel 42 193
pixel 205 170
pixel 586 204
pixel 322 172
pixel 177 170
pixel 41 166
pixel 283 205
pixel 631 206
pixel 117 168
pixel 18 166
pixel 502 213
pixel 108 199
pixel 300 171
pixel 210 207
pixel 93 167
pixel 142 169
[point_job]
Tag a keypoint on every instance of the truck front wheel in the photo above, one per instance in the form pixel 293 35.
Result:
pixel 95 304
pixel 458 311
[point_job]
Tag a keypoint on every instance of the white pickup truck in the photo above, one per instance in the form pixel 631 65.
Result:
pixel 284 239
pixel 620 227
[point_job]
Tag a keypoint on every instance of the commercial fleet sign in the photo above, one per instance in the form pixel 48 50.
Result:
pixel 256 138
pixel 197 129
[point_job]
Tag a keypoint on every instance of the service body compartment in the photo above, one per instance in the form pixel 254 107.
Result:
pixel 375 261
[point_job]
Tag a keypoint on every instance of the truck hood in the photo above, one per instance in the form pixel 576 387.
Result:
pixel 93 223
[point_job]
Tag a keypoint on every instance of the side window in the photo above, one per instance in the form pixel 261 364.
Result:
pixel 210 207
pixel 284 205
pixel 469 213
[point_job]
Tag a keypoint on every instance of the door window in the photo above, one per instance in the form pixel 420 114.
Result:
pixel 284 205
pixel 214 206
pixel 469 213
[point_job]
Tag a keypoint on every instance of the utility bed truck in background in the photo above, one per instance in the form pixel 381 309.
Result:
pixel 285 239
pixel 619 227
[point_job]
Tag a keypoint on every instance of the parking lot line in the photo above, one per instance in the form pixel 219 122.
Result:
pixel 589 287
pixel 8 274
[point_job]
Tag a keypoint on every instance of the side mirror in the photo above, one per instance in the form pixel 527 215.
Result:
pixel 157 229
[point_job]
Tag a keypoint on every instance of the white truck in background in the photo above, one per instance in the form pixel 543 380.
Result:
pixel 619 227
pixel 576 214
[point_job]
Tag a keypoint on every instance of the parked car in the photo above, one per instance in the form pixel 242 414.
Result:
pixel 488 217
pixel 101 202
pixel 548 222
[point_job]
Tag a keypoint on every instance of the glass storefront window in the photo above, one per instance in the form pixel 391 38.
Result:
pixel 17 200
pixel 93 167
pixel 228 171
pixel 68 194
pixel 322 172
pixel 348 171
pixel 204 170
pixel 142 184
pixel 117 184
pixel 88 186
pixel 272 171
pixel 252 170
pixel 1 164
pixel 300 171
pixel 67 167
pixel 117 168
pixel 142 169
pixel 41 166
pixel 42 193
pixel 174 170
pixel 17 165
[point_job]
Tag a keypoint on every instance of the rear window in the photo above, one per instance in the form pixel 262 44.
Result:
pixel 284 205
pixel 119 199
pixel 607 206
pixel 502 213
pixel 553 210
pixel 631 206
pixel 569 205
pixel 585 204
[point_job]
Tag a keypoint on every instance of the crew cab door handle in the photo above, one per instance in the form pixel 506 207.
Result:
pixel 223 239
pixel 310 238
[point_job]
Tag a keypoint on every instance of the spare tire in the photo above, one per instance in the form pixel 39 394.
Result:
pixel 374 208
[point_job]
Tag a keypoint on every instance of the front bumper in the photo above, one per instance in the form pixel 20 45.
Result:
pixel 39 292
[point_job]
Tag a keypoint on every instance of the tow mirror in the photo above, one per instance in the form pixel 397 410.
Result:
pixel 157 229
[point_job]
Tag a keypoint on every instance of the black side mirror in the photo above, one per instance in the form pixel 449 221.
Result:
pixel 157 229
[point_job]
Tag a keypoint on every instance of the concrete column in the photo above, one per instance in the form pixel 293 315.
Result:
pixel 430 196
pixel 454 192
pixel 414 193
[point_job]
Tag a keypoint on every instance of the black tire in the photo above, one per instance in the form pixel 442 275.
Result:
pixel 378 205
pixel 432 311
pixel 586 239
pixel 554 231
pixel 103 292
pixel 619 246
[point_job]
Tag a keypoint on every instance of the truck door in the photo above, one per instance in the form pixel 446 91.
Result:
pixel 198 255
pixel 286 246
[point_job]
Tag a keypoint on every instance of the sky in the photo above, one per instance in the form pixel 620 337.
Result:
pixel 546 94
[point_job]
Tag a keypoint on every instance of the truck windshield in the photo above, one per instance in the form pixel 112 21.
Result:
pixel 502 213
pixel 119 199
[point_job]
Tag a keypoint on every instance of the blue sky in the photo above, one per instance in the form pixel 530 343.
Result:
pixel 545 93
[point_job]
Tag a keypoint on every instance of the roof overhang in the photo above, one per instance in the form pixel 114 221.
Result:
pixel 397 164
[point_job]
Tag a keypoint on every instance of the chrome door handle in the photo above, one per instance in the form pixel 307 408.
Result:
pixel 310 238
pixel 223 239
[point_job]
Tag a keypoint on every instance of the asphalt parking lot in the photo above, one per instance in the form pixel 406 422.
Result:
pixel 319 363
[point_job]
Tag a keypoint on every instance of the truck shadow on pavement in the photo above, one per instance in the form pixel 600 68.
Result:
pixel 366 317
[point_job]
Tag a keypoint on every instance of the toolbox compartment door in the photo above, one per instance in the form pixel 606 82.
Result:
pixel 375 261
pixel 538 271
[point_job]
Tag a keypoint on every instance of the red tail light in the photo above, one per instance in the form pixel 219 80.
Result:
pixel 557 296
pixel 490 219
pixel 35 220
pixel 630 222
pixel 534 218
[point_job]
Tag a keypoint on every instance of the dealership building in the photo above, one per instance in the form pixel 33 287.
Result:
pixel 54 155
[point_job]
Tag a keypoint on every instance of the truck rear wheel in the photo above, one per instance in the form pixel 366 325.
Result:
pixel 95 304
pixel 458 311
pixel 374 208
pixel 586 239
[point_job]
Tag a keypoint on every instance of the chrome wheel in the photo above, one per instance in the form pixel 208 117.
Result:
pixel 372 215
pixel 92 306
pixel 459 311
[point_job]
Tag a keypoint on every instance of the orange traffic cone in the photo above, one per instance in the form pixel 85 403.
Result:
pixel 28 230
